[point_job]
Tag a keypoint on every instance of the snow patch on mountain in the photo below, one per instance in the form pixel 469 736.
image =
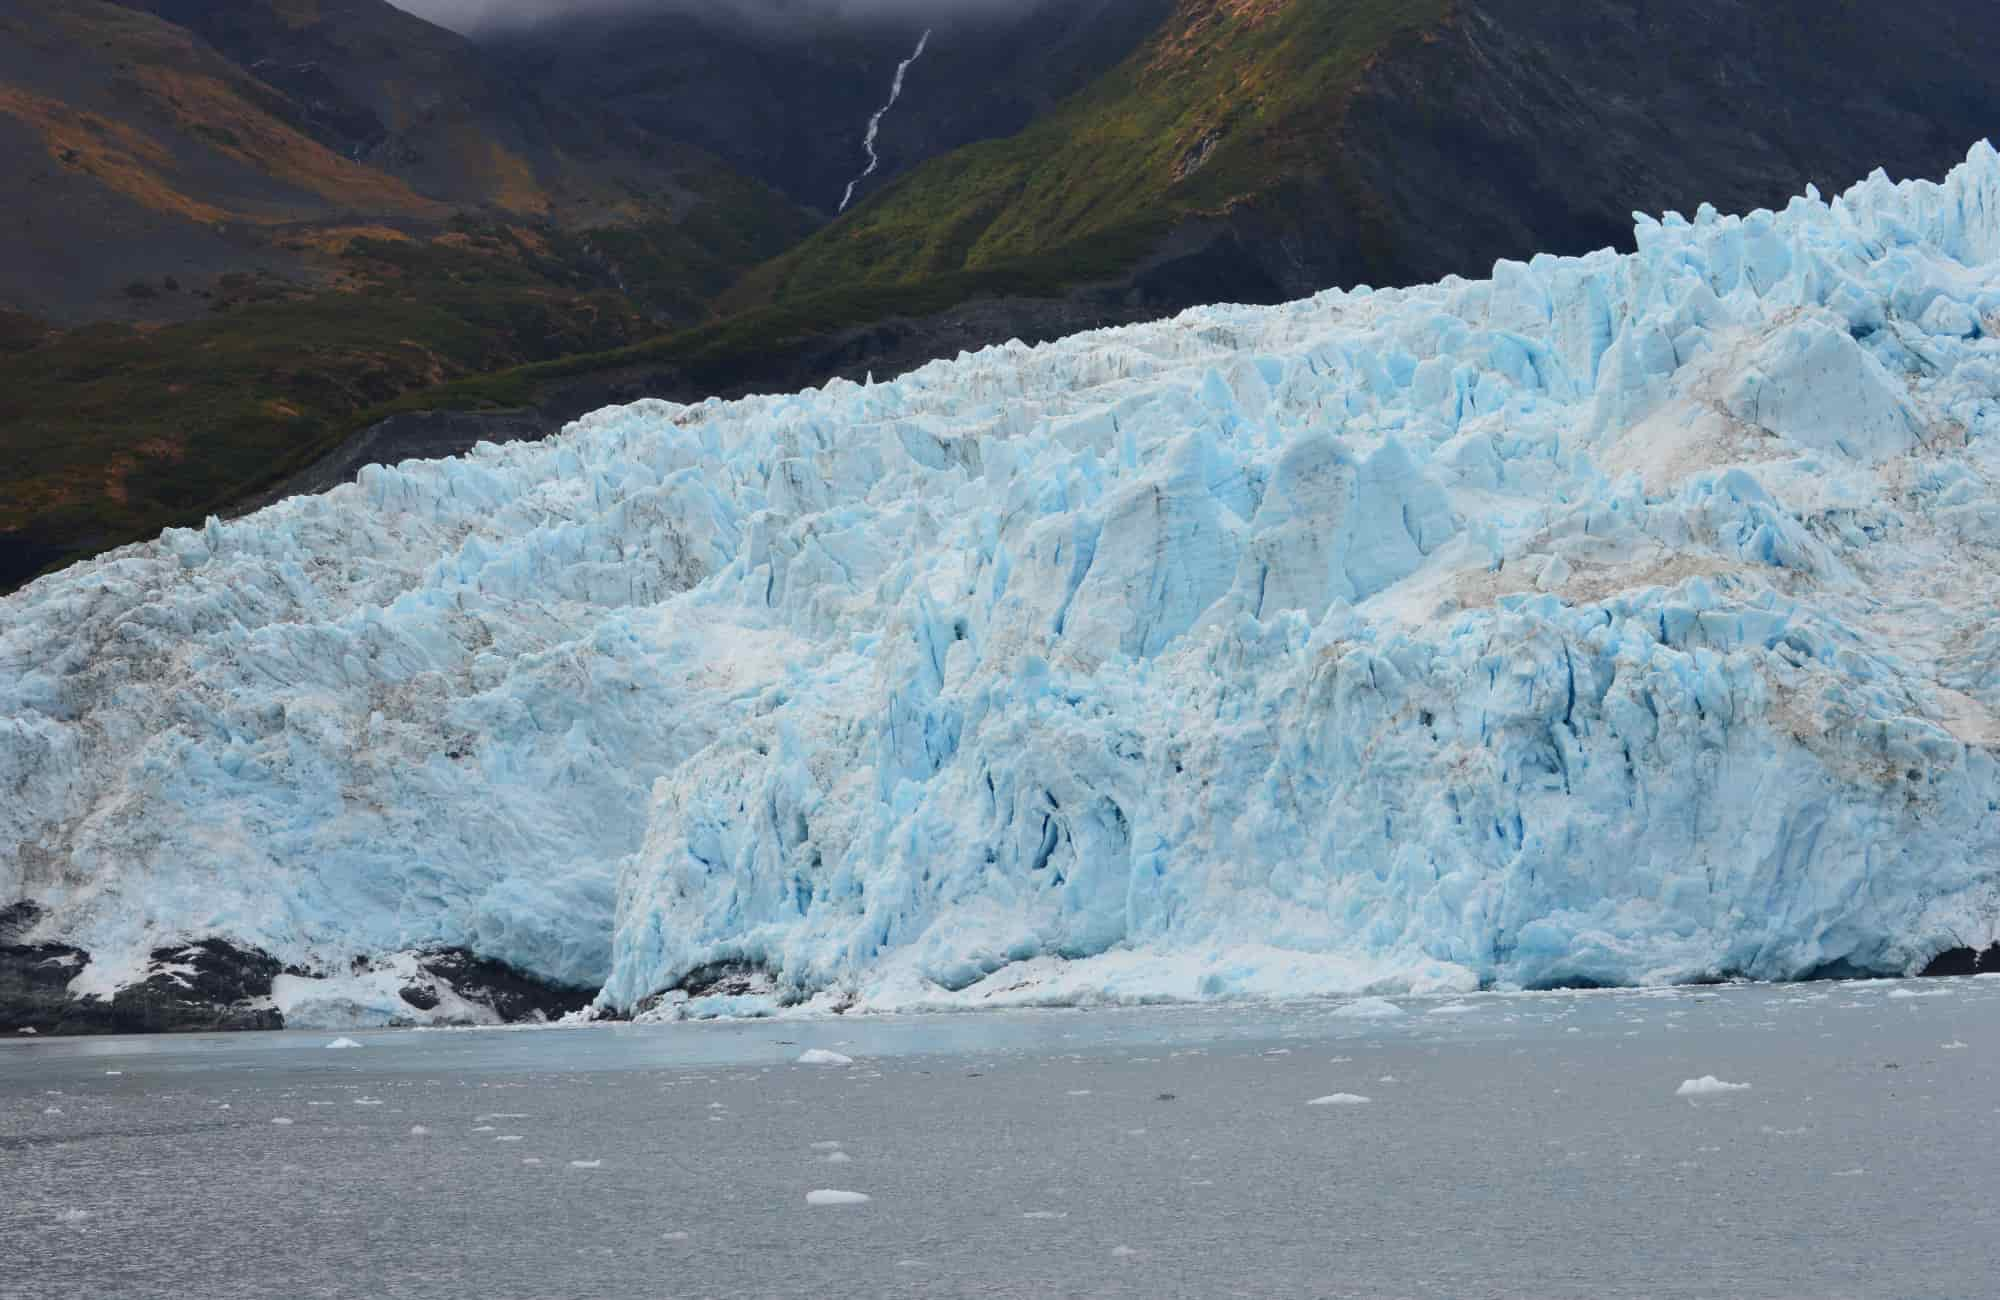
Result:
pixel 1613 619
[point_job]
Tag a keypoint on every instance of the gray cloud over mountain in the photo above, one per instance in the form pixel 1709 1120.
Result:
pixel 474 15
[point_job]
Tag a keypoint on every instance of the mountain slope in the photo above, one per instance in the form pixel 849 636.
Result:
pixel 219 254
pixel 787 101
pixel 1256 149
pixel 1581 625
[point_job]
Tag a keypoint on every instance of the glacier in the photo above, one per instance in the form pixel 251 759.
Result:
pixel 1613 620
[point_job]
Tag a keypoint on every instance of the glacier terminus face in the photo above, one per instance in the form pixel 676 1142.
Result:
pixel 1617 619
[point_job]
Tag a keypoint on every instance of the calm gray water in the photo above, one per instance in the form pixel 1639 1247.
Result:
pixel 1527 1145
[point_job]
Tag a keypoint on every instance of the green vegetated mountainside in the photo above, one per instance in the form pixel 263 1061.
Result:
pixel 1231 100
pixel 220 254
pixel 1260 149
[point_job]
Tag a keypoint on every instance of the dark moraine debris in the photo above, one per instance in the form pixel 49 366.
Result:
pixel 513 995
pixel 1965 961
pixel 34 977
pixel 716 979
pixel 212 984
pixel 725 979
pixel 205 986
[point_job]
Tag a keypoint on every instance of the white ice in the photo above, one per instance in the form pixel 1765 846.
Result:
pixel 821 1056
pixel 1707 1086
pixel 833 1196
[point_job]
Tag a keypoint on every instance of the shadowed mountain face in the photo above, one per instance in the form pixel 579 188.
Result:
pixel 231 228
pixel 193 139
pixel 788 103
pixel 1520 126
pixel 422 104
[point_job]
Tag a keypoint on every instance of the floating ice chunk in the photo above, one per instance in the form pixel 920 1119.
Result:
pixel 508 1137
pixel 1954 1045
pixel 72 1216
pixel 342 1043
pixel 282 1121
pixel 51 1110
pixel 826 1146
pixel 838 1157
pixel 1452 1009
pixel 1901 994
pixel 113 1073
pixel 531 1160
pixel 821 1056
pixel 1369 1009
pixel 1339 1099
pixel 586 1164
pixel 1046 1214
pixel 418 1131
pixel 676 1235
pixel 1123 1252
pixel 1077 1092
pixel 834 1196
pixel 1708 1086
pixel 1848 1173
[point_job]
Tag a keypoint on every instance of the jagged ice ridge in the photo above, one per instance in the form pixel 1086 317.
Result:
pixel 1616 619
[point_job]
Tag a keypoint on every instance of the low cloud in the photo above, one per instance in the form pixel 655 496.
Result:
pixel 483 15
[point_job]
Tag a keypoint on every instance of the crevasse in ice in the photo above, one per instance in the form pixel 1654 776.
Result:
pixel 1615 619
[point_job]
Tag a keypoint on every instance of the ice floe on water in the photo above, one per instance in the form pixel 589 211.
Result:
pixel 1580 624
pixel 1708 1086
pixel 833 1196
pixel 1339 1099
pixel 821 1056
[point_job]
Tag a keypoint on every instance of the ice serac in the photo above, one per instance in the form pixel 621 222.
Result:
pixel 1615 619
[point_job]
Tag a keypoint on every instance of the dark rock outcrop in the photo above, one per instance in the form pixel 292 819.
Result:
pixel 216 985
pixel 1965 961
pixel 210 985
pixel 514 995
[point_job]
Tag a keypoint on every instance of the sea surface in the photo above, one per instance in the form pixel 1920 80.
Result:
pixel 1509 1145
